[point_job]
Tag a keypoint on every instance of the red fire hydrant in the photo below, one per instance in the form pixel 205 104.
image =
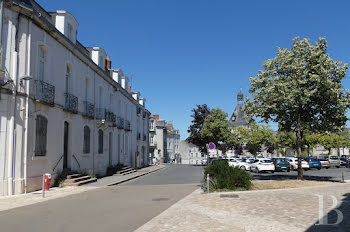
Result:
pixel 47 181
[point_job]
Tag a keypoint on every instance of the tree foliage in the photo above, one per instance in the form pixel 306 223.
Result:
pixel 199 115
pixel 254 137
pixel 301 89
pixel 216 127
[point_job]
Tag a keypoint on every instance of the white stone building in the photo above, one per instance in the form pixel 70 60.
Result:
pixel 62 106
pixel 190 154
pixel 163 140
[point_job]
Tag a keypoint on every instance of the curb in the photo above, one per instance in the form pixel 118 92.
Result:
pixel 134 177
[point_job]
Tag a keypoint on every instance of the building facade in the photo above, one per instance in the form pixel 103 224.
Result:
pixel 62 106
pixel 163 140
pixel 190 154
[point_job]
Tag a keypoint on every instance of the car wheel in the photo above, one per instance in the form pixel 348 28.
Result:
pixel 288 170
pixel 242 167
pixel 338 166
pixel 272 172
pixel 318 168
pixel 257 170
pixel 327 167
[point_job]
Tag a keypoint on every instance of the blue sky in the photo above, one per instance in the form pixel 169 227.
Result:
pixel 186 52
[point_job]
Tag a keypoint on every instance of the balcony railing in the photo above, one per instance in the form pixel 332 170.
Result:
pixel 104 114
pixel 71 103
pixel 120 122
pixel 127 125
pixel 88 109
pixel 110 116
pixel 44 92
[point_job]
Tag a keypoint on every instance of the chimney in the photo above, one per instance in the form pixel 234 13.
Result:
pixel 108 63
pixel 156 116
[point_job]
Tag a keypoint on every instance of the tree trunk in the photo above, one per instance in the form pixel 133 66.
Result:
pixel 299 139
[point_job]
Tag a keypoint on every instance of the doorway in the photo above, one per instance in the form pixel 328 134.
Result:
pixel 65 145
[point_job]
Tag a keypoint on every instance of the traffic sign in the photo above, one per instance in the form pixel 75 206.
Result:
pixel 211 146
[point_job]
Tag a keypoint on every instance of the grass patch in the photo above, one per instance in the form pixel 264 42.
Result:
pixel 282 184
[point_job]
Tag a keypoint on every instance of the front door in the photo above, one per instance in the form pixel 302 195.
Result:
pixel 65 145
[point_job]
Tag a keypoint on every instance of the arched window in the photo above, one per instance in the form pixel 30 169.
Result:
pixel 100 141
pixel 40 136
pixel 86 148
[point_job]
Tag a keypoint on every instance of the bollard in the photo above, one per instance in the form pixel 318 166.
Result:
pixel 43 192
pixel 208 182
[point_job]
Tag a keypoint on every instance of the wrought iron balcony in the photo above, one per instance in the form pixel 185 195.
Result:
pixel 127 125
pixel 100 114
pixel 110 116
pixel 71 103
pixel 44 92
pixel 120 122
pixel 88 109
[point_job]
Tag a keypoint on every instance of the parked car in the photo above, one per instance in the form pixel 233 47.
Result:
pixel 344 162
pixel 262 164
pixel 294 164
pixel 232 162
pixel 246 165
pixel 324 163
pixel 313 163
pixel 281 164
pixel 333 160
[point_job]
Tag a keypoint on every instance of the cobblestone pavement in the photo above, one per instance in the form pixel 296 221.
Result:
pixel 265 210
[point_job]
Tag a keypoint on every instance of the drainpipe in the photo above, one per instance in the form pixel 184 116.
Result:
pixel 93 129
pixel 25 150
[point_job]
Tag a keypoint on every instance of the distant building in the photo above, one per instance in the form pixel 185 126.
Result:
pixel 190 154
pixel 163 140
pixel 238 118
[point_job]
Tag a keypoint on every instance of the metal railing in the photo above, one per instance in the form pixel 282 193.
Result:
pixel 120 122
pixel 88 109
pixel 127 125
pixel 44 92
pixel 71 103
pixel 76 160
pixel 57 163
pixel 104 114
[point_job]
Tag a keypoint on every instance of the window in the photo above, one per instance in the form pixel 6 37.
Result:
pixel 42 60
pixel 70 32
pixel 68 78
pixel 100 141
pixel 40 136
pixel 86 148
pixel 152 126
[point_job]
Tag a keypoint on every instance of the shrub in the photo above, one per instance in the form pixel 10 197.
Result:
pixel 226 177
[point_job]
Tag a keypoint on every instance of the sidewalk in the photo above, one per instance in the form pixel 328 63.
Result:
pixel 265 210
pixel 10 202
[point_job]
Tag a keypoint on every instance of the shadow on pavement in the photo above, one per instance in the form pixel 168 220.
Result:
pixel 341 215
pixel 291 177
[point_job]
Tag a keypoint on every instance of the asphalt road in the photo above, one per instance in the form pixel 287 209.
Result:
pixel 118 208
pixel 331 174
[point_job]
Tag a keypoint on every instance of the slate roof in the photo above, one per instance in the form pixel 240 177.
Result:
pixel 238 118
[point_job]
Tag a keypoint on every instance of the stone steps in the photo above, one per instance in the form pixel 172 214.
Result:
pixel 125 171
pixel 78 179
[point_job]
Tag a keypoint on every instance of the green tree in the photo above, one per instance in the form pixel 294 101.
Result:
pixel 254 137
pixel 199 115
pixel 216 127
pixel 301 89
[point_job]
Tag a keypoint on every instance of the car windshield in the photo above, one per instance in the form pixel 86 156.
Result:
pixel 266 161
pixel 333 157
pixel 281 160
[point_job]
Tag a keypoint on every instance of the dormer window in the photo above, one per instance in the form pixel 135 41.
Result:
pixel 70 32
